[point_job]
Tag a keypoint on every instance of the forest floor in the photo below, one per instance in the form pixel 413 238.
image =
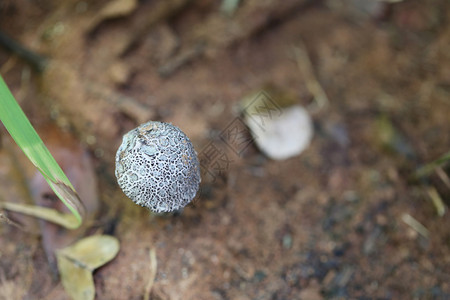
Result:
pixel 339 221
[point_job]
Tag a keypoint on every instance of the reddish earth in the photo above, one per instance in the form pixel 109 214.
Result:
pixel 328 224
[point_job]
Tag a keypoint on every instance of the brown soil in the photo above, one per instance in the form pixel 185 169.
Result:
pixel 328 224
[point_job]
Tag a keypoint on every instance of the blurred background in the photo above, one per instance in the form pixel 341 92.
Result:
pixel 356 92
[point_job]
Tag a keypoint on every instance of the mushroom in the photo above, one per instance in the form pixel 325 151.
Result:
pixel 157 167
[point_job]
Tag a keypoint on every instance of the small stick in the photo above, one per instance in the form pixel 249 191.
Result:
pixel 8 221
pixel 151 280
pixel 130 106
pixel 37 61
pixel 181 59
pixel 440 172
pixel 312 84
pixel 416 225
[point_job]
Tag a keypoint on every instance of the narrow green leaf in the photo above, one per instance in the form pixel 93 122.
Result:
pixel 31 144
pixel 430 167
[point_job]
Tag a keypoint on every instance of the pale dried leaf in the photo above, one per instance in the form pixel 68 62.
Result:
pixel 92 252
pixel 77 262
pixel 68 221
pixel 77 281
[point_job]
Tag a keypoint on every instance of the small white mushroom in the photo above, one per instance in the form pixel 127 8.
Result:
pixel 157 167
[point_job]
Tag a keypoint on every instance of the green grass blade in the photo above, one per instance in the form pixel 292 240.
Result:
pixel 430 167
pixel 31 144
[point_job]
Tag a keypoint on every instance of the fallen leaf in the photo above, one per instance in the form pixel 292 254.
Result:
pixel 77 262
pixel 77 281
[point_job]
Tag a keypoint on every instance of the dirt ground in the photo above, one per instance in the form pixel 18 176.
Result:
pixel 331 223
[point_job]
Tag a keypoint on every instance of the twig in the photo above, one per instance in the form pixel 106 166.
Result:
pixel 312 84
pixel 416 225
pixel 440 172
pixel 37 61
pixel 8 221
pixel 181 59
pixel 130 106
pixel 151 279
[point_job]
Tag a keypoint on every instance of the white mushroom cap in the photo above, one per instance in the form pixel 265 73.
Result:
pixel 157 167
